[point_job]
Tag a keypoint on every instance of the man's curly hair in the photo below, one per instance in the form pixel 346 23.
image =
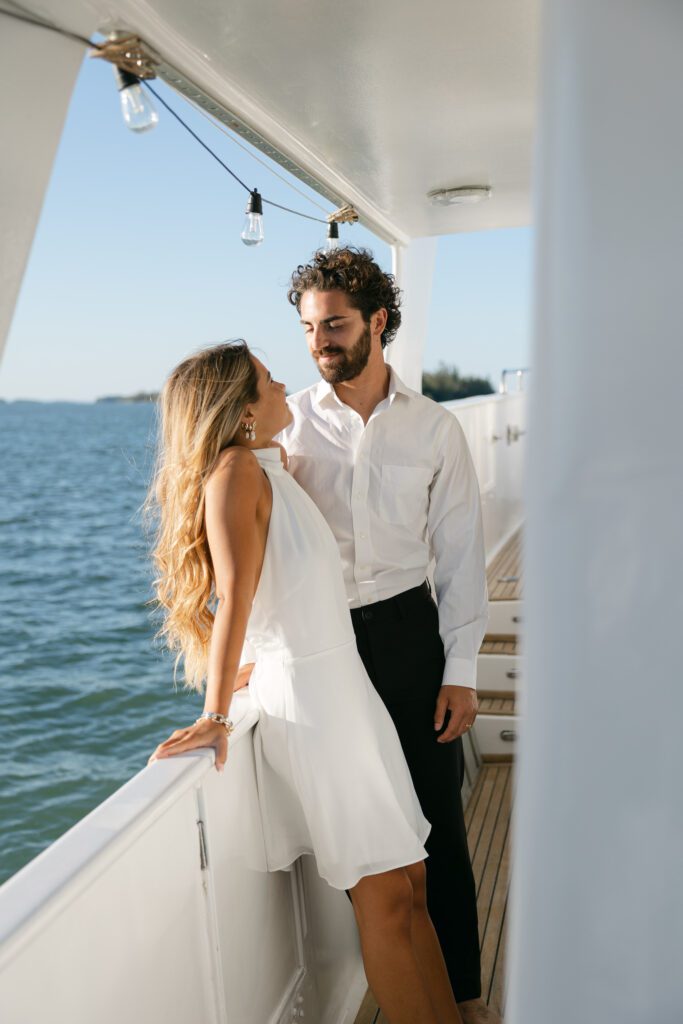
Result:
pixel 354 272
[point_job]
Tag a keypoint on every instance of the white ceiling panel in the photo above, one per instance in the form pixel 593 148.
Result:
pixel 377 101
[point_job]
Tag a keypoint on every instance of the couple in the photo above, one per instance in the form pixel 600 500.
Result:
pixel 358 742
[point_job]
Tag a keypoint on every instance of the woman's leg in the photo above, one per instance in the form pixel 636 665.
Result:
pixel 428 950
pixel 382 904
pixel 383 907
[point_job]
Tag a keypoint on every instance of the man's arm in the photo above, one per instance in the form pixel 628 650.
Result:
pixel 457 543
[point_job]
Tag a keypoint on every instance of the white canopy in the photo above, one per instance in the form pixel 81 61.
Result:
pixel 379 103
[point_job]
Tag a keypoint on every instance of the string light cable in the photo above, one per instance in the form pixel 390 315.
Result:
pixel 254 156
pixel 133 67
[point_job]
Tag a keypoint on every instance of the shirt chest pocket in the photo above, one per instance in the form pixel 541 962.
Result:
pixel 404 495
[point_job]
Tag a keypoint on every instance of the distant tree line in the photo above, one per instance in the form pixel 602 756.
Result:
pixel 140 396
pixel 442 385
pixel 446 383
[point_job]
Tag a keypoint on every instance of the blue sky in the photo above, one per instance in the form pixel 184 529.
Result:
pixel 137 261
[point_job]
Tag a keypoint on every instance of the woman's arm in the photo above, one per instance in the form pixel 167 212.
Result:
pixel 237 509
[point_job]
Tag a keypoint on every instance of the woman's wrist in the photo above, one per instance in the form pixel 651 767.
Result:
pixel 218 718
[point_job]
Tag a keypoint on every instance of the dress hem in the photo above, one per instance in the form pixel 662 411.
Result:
pixel 376 868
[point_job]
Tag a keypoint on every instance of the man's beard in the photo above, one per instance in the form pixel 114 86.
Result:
pixel 349 362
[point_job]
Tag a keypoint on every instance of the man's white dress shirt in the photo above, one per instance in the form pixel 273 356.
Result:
pixel 397 493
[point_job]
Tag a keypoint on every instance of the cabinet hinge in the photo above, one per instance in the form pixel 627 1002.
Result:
pixel 203 848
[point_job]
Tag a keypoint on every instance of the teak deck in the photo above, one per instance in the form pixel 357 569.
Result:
pixel 489 808
pixel 504 574
pixel 487 816
pixel 496 645
pixel 500 705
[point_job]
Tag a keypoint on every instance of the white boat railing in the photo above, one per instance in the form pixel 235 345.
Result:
pixel 495 427
pixel 157 906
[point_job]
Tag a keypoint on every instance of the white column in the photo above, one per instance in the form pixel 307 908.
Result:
pixel 413 268
pixel 39 69
pixel 597 922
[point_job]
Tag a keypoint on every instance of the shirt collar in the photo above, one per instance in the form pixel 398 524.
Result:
pixel 326 396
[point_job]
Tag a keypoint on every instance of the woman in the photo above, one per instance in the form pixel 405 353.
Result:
pixel 236 529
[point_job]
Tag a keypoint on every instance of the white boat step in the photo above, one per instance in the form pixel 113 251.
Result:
pixel 498 673
pixel 505 619
pixel 497 736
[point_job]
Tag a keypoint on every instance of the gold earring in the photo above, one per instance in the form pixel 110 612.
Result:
pixel 249 430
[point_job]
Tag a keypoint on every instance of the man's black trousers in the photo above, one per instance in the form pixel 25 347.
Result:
pixel 401 648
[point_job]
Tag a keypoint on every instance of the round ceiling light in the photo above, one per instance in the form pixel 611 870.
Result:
pixel 459 196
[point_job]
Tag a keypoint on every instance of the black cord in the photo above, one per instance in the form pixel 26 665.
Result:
pixel 270 202
pixel 98 46
pixel 52 28
pixel 297 213
pixel 192 133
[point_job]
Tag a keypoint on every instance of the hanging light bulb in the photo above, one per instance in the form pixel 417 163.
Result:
pixel 332 236
pixel 252 232
pixel 137 108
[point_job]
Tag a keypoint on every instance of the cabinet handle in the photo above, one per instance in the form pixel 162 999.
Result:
pixel 508 735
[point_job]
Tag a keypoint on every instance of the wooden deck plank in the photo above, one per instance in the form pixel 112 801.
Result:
pixel 478 820
pixel 480 849
pixel 504 574
pixel 490 861
pixel 487 816
pixel 497 992
pixel 472 802
pixel 491 945
pixel 509 551
pixel 505 556
pixel 488 877
pixel 507 639
pixel 497 645
pixel 498 705
pixel 485 695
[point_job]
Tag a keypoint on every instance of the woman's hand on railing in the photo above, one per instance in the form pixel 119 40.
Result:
pixel 203 733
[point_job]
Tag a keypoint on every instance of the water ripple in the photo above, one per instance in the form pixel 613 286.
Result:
pixel 85 694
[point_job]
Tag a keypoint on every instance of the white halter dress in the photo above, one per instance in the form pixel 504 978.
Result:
pixel 331 774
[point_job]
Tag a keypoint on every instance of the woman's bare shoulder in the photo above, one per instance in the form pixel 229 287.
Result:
pixel 235 466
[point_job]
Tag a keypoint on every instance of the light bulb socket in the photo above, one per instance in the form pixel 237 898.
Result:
pixel 333 229
pixel 255 204
pixel 124 79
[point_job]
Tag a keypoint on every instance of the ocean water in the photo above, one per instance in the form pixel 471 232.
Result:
pixel 85 691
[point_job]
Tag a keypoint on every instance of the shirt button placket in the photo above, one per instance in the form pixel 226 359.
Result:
pixel 361 519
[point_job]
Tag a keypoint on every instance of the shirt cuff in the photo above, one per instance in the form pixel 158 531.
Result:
pixel 460 672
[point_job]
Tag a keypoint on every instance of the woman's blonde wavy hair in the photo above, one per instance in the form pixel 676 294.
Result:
pixel 200 410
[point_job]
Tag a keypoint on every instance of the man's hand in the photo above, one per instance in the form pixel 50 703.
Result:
pixel 461 701
pixel 244 675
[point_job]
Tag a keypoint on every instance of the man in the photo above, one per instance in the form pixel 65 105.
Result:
pixel 392 474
